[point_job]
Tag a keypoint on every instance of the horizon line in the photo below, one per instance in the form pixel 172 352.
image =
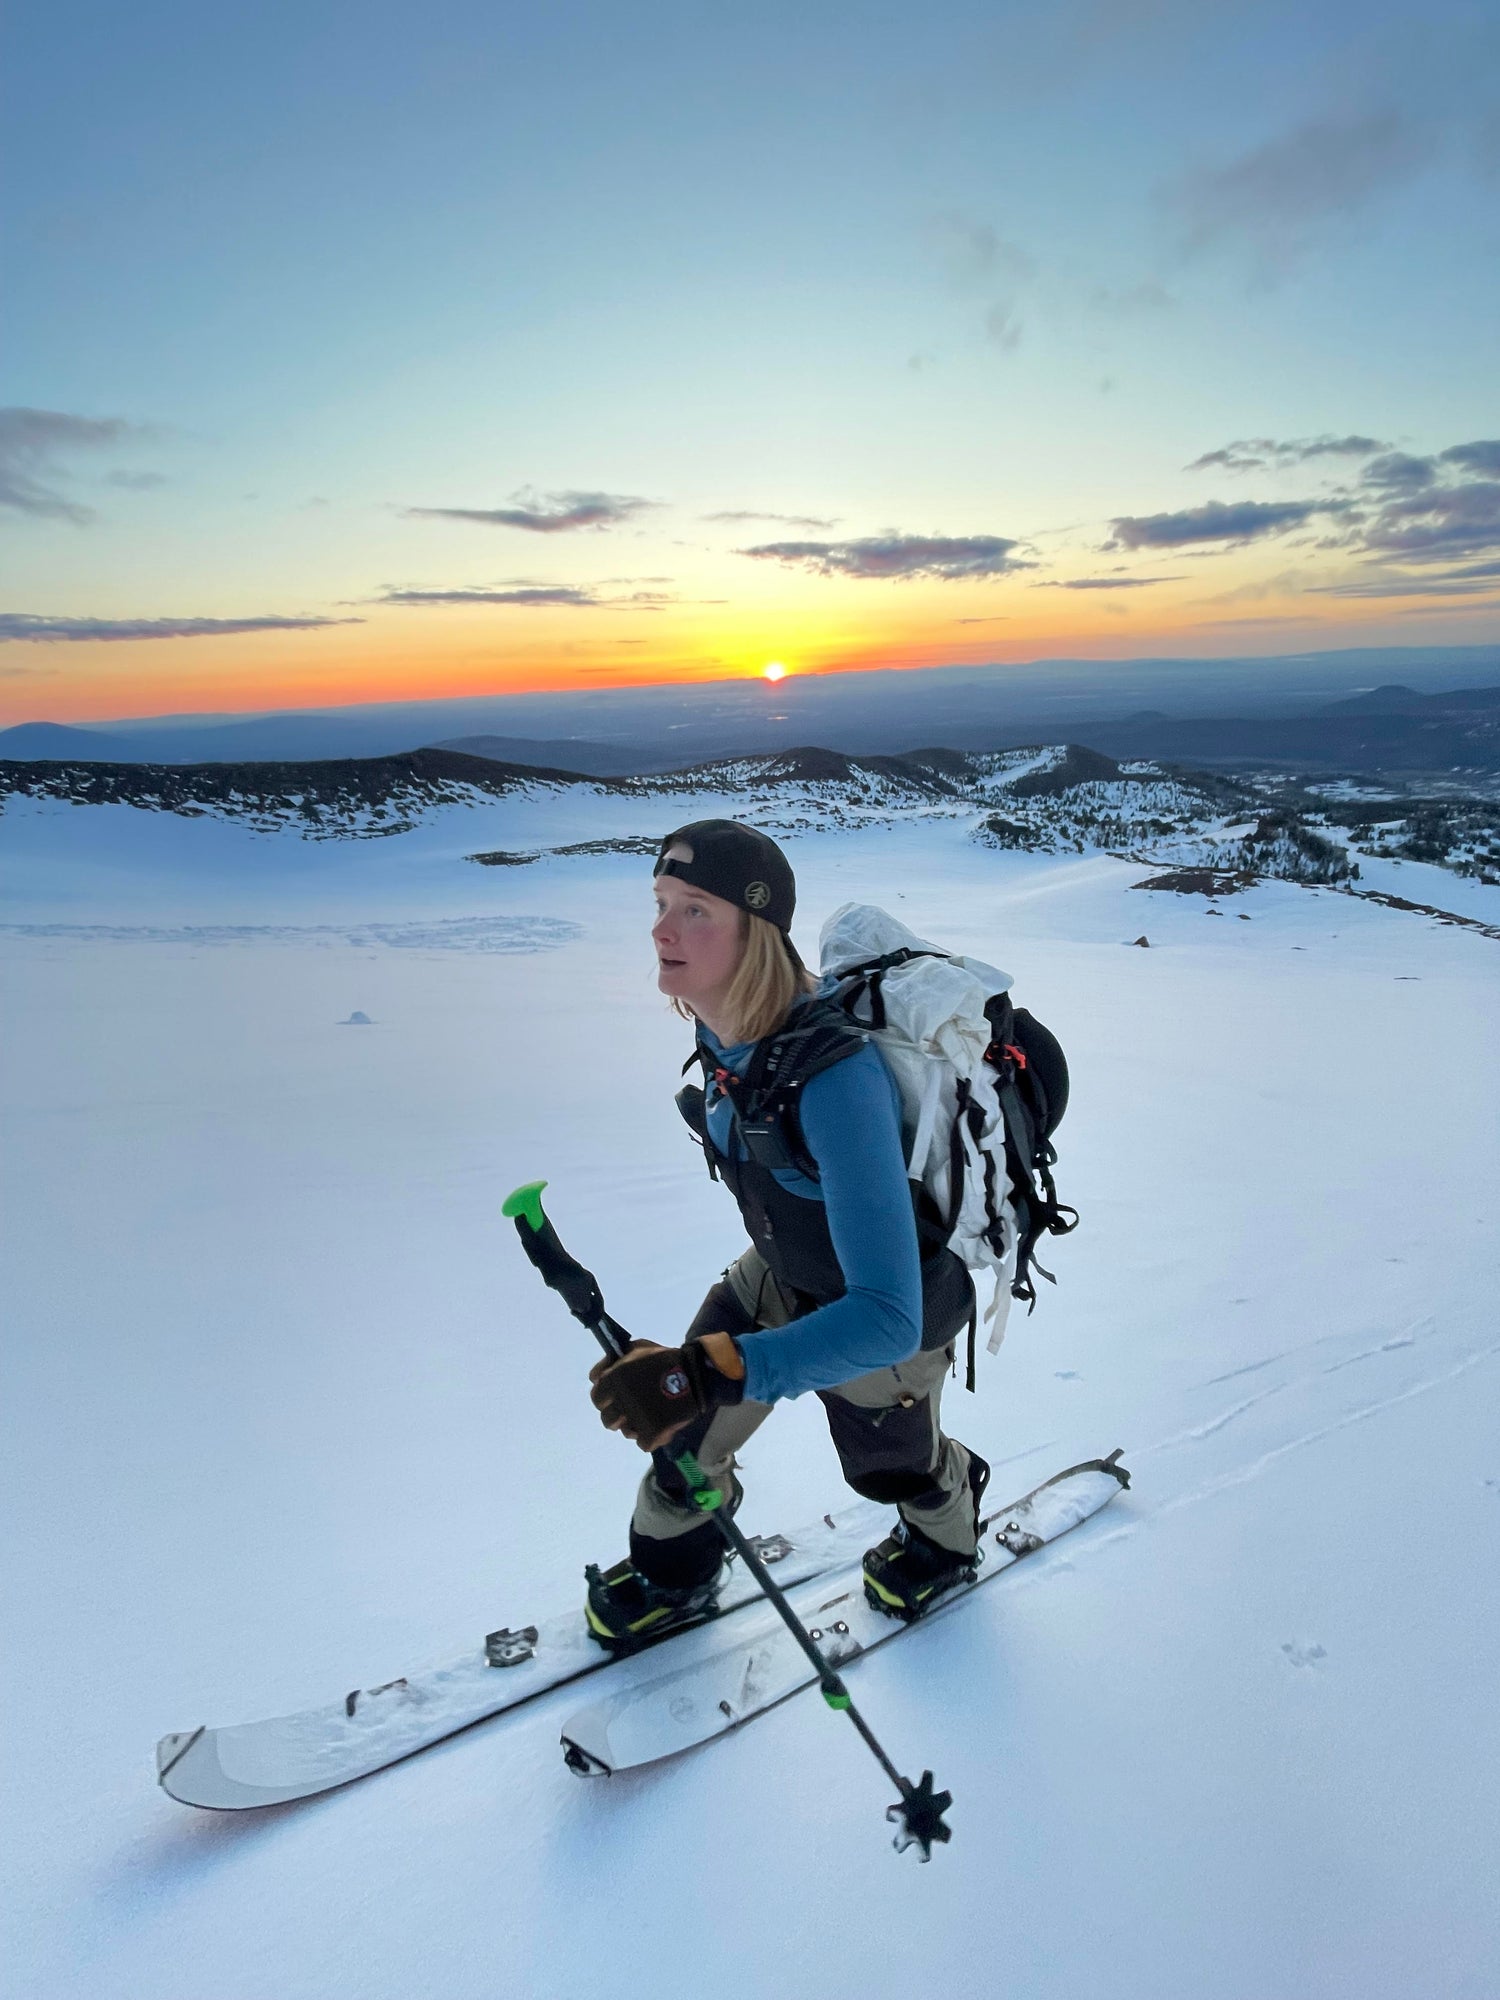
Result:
pixel 201 717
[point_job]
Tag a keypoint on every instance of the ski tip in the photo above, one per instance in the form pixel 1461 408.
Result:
pixel 171 1750
pixel 583 1763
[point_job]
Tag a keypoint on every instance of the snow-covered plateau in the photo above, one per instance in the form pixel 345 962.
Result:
pixel 286 1413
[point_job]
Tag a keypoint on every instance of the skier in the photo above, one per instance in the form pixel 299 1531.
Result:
pixel 847 1287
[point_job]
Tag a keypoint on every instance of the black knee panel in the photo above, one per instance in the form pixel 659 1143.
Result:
pixel 886 1454
pixel 678 1562
pixel 892 1486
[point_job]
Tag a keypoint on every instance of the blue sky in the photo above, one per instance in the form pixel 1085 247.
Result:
pixel 302 291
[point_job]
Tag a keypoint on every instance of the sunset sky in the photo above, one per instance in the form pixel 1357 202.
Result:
pixel 361 353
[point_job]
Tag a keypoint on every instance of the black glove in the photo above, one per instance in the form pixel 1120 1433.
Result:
pixel 651 1392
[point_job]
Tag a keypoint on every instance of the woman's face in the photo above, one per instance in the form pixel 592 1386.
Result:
pixel 697 938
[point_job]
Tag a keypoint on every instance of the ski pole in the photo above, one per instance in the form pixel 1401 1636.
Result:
pixel 919 1816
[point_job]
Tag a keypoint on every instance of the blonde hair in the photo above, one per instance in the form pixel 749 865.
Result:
pixel 764 986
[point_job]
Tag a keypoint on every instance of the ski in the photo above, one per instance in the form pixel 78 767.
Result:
pixel 297 1756
pixel 762 1665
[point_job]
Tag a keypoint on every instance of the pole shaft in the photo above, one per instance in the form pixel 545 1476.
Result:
pixel 613 1338
pixel 580 1289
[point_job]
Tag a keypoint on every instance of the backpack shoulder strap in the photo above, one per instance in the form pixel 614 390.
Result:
pixel 764 1100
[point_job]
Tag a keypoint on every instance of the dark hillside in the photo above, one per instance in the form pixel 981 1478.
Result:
pixel 1078 766
pixel 381 794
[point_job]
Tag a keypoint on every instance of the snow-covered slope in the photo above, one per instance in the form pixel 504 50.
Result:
pixel 286 1413
pixel 1059 798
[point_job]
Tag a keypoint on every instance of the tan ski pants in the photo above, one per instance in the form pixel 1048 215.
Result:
pixel 884 1425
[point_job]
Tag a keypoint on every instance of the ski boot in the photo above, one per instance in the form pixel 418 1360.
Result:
pixel 904 1573
pixel 626 1610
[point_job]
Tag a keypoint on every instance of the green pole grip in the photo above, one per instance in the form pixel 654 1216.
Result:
pixel 526 1201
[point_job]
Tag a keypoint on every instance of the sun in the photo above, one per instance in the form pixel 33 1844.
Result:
pixel 774 672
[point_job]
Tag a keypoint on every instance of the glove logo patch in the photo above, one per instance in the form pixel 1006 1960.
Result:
pixel 675 1383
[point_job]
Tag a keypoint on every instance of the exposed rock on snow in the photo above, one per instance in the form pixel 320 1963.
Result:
pixel 628 844
pixel 1197 882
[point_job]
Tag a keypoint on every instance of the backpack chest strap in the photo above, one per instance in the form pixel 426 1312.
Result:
pixel 763 1102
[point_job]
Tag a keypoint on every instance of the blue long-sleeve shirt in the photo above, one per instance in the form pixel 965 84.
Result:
pixel 851 1121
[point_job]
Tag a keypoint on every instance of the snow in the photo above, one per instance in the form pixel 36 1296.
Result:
pixel 286 1413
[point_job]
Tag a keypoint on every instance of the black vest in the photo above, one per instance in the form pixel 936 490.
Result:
pixel 790 1230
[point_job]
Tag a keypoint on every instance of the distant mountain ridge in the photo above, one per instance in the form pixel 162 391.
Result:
pixel 612 732
pixel 1390 729
pixel 597 760
pixel 1393 728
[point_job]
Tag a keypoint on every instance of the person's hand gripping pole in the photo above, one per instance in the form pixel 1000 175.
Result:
pixel 918 1817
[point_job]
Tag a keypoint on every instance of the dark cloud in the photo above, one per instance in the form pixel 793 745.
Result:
pixel 1482 457
pixel 1424 512
pixel 22 625
pixel 1105 583
pixel 31 443
pixel 532 595
pixel 1438 523
pixel 1257 454
pixel 1215 521
pixel 1278 198
pixel 738 514
pixel 883 556
pixel 527 594
pixel 545 513
pixel 1399 472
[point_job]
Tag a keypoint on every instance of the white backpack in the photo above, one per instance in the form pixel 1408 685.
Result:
pixel 926 1009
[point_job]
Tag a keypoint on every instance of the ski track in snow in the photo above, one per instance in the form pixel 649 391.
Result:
pixel 1194 1433
pixel 1204 1430
pixel 1253 1468
pixel 1406 1339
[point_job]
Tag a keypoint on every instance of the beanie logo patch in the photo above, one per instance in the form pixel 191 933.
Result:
pixel 757 895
